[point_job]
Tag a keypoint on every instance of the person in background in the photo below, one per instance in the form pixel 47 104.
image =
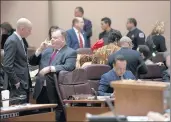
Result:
pixel 156 41
pixel 76 37
pixel 146 55
pixel 135 34
pixel 6 31
pixel 118 72
pixel 100 55
pixel 106 27
pixel 79 12
pixel 132 57
pixel 166 73
pixel 52 29
pixel 15 62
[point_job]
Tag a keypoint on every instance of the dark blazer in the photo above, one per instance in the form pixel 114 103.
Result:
pixel 65 60
pixel 5 36
pixel 159 42
pixel 133 60
pixel 137 37
pixel 104 88
pixel 166 76
pixel 72 40
pixel 15 62
pixel 88 29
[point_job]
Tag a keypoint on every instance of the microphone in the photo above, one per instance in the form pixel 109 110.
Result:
pixel 94 92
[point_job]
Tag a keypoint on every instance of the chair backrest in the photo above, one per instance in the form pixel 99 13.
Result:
pixel 158 58
pixel 94 73
pixel 154 71
pixel 73 83
pixel 84 51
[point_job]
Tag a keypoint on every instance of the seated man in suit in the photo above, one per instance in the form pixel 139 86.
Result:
pixel 51 58
pixel 76 37
pixel 132 57
pixel 79 12
pixel 119 72
pixel 106 27
pixel 166 73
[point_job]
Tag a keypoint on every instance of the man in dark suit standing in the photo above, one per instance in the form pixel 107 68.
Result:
pixel 133 57
pixel 51 58
pixel 76 37
pixel 107 30
pixel 15 62
pixel 135 34
pixel 119 72
pixel 79 12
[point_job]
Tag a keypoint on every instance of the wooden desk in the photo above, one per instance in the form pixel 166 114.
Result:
pixel 13 115
pixel 134 98
pixel 77 113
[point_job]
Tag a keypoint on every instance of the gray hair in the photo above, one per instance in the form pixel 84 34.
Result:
pixel 23 22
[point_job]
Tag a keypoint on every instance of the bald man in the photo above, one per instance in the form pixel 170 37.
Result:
pixel 76 37
pixel 15 62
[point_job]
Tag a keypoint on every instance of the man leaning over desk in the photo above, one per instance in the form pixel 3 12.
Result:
pixel 119 72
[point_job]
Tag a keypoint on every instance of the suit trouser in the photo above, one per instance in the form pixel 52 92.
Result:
pixel 49 95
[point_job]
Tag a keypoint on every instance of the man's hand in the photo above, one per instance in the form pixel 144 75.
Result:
pixel 17 85
pixel 44 71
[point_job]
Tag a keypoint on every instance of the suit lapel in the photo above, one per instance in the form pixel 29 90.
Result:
pixel 57 58
pixel 21 48
pixel 74 34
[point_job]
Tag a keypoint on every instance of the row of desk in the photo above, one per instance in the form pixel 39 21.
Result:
pixel 131 99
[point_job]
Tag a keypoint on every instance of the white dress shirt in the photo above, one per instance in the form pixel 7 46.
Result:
pixel 77 33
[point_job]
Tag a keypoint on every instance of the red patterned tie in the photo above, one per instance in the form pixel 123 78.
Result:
pixel 52 56
pixel 81 41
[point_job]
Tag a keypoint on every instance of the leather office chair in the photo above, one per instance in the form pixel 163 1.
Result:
pixel 84 51
pixel 94 73
pixel 154 73
pixel 73 83
pixel 158 58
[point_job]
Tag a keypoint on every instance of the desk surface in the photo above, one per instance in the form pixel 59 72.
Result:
pixel 140 84
pixel 86 101
pixel 27 107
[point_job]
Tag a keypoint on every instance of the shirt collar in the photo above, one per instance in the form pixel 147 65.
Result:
pixel 18 35
pixel 133 28
pixel 75 30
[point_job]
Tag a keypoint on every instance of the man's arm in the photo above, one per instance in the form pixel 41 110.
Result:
pixel 140 39
pixel 10 51
pixel 163 45
pixel 69 63
pixel 35 59
pixel 103 86
pixel 68 39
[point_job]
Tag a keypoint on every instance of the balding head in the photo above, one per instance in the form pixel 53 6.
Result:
pixel 78 23
pixel 24 27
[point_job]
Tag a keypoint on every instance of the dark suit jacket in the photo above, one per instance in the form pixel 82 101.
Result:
pixel 104 88
pixel 72 40
pixel 133 60
pixel 137 37
pixel 88 29
pixel 15 62
pixel 166 76
pixel 159 42
pixel 65 60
